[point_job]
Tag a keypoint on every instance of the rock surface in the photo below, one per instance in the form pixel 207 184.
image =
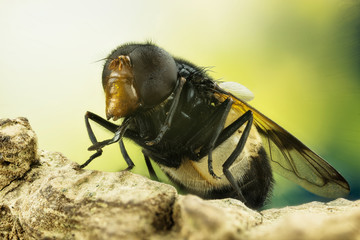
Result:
pixel 43 195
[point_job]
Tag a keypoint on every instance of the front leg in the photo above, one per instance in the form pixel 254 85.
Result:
pixel 106 124
pixel 98 145
pixel 118 134
pixel 167 124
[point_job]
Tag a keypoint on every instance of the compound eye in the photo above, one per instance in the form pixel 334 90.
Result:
pixel 155 74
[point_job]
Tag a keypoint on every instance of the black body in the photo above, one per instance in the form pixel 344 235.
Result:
pixel 195 108
pixel 195 130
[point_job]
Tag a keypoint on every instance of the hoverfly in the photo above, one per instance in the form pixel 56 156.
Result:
pixel 203 134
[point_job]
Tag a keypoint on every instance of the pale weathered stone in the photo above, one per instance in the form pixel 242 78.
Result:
pixel 339 219
pixel 18 147
pixel 59 200
pixel 216 219
pixel 46 196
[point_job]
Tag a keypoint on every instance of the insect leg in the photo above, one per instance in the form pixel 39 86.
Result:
pixel 100 121
pixel 126 156
pixel 92 157
pixel 118 134
pixel 247 117
pixel 170 115
pixel 220 126
pixel 150 168
pixel 216 122
pixel 109 126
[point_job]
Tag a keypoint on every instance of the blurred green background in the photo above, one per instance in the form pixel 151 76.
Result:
pixel 301 59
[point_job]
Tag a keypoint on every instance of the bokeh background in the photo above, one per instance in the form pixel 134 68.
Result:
pixel 301 59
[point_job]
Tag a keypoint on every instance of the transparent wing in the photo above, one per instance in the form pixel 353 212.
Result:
pixel 291 159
